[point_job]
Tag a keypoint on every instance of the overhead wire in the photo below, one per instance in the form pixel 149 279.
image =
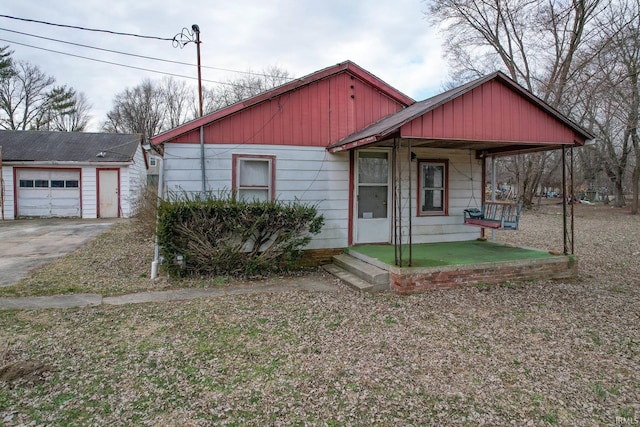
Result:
pixel 140 56
pixel 123 65
pixel 75 27
pixel 279 110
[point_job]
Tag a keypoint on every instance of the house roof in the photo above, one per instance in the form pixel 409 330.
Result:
pixel 45 146
pixel 296 84
pixel 393 123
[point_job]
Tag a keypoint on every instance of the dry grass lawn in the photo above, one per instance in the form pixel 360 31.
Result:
pixel 537 353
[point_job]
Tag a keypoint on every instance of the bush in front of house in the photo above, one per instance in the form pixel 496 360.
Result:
pixel 209 235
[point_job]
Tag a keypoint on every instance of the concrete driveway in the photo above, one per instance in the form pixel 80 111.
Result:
pixel 28 244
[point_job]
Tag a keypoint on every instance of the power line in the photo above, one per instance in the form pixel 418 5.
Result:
pixel 87 29
pixel 122 65
pixel 139 56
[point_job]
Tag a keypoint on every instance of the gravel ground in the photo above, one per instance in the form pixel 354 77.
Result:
pixel 536 353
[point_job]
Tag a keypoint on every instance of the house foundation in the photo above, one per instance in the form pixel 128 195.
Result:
pixel 410 280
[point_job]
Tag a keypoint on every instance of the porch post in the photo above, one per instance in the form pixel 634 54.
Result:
pixel 410 209
pixel 493 191
pixel 564 200
pixel 572 199
pixel 397 205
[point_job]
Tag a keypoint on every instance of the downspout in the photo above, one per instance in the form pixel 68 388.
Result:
pixel 156 249
pixel 202 168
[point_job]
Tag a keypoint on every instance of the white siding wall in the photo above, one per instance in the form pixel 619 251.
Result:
pixel 465 190
pixel 312 175
pixel 7 177
pixel 132 179
pixel 308 174
pixel 89 192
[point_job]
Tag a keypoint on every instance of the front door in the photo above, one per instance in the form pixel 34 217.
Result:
pixel 372 198
pixel 108 193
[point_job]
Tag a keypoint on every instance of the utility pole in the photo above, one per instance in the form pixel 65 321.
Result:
pixel 191 36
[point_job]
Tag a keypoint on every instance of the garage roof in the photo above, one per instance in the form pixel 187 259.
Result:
pixel 39 146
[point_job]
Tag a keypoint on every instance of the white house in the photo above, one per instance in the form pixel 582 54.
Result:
pixel 71 174
pixel 381 167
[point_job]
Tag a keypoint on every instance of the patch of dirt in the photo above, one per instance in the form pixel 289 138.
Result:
pixel 29 371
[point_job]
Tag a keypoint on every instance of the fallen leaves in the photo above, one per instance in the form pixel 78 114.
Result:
pixel 536 353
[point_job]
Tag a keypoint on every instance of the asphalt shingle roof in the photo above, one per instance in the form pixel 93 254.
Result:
pixel 43 146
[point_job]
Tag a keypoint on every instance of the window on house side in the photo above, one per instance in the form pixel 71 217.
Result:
pixel 433 185
pixel 152 161
pixel 254 177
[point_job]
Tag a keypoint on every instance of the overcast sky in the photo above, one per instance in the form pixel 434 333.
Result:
pixel 389 38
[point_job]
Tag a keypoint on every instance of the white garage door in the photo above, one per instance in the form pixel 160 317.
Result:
pixel 48 193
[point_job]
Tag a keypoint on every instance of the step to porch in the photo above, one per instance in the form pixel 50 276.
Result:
pixel 357 274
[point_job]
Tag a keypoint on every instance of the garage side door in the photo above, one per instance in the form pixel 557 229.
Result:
pixel 48 193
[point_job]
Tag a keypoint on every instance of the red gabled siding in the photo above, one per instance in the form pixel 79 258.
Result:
pixel 490 112
pixel 317 114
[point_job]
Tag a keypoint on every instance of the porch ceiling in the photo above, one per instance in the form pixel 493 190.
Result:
pixel 482 148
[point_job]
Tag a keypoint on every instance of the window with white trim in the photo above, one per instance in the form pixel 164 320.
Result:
pixel 433 177
pixel 254 177
pixel 152 161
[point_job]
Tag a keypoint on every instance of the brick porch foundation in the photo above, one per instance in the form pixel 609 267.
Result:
pixel 409 280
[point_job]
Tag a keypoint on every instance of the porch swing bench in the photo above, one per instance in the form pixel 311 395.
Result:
pixel 496 215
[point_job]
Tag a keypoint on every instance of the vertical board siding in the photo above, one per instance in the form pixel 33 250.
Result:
pixel 125 190
pixel 9 206
pixel 307 174
pixel 315 115
pixel 89 192
pixel 490 112
pixel 136 179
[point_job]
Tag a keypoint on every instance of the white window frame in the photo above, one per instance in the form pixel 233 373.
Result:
pixel 422 189
pixel 239 159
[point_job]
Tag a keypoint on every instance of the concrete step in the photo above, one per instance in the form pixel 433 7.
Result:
pixel 349 279
pixel 367 272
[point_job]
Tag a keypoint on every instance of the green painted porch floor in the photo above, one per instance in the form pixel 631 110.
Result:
pixel 451 253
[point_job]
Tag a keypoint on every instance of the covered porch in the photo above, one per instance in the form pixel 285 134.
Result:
pixel 414 173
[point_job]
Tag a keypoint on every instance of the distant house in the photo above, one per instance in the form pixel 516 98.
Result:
pixel 381 167
pixel 153 159
pixel 69 174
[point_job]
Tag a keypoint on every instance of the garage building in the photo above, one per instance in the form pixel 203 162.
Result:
pixel 71 174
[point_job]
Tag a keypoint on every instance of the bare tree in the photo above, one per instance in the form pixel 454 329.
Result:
pixel 239 89
pixel 153 107
pixel 24 96
pixel 536 42
pixel 611 97
pixel 177 97
pixel 138 110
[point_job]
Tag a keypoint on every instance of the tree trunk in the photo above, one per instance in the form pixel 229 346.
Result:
pixel 619 194
pixel 635 179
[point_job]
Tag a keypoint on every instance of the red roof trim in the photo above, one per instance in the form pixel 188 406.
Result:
pixel 346 66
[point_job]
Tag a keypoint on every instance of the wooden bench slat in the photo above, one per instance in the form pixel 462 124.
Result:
pixel 496 215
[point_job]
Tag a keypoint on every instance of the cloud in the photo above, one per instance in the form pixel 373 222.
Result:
pixel 389 39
